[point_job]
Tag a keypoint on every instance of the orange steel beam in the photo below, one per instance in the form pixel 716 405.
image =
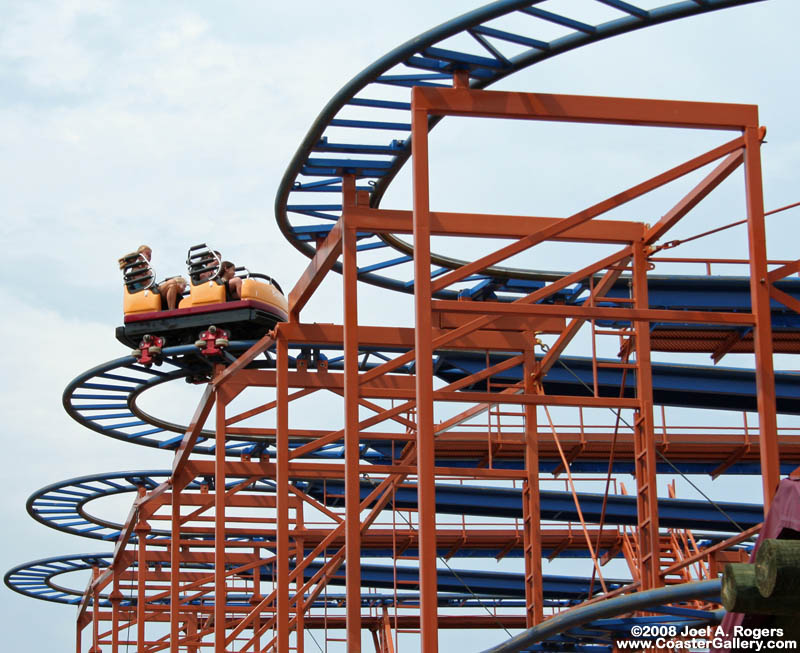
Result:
pixel 598 447
pixel 220 472
pixel 330 380
pixel 784 298
pixel 312 277
pixel 313 470
pixel 539 400
pixel 175 564
pixel 245 359
pixel 697 195
pixel 405 622
pixel 759 299
pixel 375 408
pixel 142 529
pixel 483 536
pixel 115 598
pixel 531 508
pixel 233 500
pixel 314 503
pixel 159 556
pixel 192 433
pixel 783 271
pixel 263 408
pixel 644 440
pixel 584 109
pixel 372 336
pixel 423 323
pixel 594 312
pixel 352 452
pixel 95 616
pixel 724 347
pixel 495 226
pixel 281 590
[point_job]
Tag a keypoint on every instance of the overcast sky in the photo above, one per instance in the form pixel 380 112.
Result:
pixel 171 124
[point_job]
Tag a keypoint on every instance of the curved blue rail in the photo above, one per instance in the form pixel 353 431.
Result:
pixel 104 399
pixel 461 588
pixel 64 506
pixel 377 127
pixel 582 620
pixel 36 579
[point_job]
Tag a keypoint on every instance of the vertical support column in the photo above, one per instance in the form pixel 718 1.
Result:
pixel 531 508
pixel 256 599
pixel 299 547
pixel 115 597
pixel 220 582
pixel 95 614
pixel 142 529
pixel 426 488
pixel 759 298
pixel 644 435
pixel 352 489
pixel 282 481
pixel 175 568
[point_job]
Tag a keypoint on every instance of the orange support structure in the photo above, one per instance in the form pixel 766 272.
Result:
pixel 423 323
pixel 308 557
pixel 243 552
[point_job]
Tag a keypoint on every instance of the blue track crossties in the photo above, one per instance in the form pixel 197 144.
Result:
pixel 105 398
pixel 489 51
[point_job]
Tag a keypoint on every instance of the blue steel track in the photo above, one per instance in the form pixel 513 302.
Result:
pixel 64 505
pixel 379 136
pixel 105 398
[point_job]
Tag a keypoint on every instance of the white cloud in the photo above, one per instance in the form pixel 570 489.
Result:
pixel 40 38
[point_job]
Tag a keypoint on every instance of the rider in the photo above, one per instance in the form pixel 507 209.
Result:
pixel 233 284
pixel 170 289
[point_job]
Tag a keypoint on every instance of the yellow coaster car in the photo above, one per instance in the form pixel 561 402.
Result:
pixel 210 300
pixel 141 289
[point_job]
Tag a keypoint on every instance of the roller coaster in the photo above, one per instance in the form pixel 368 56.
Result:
pixel 459 453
